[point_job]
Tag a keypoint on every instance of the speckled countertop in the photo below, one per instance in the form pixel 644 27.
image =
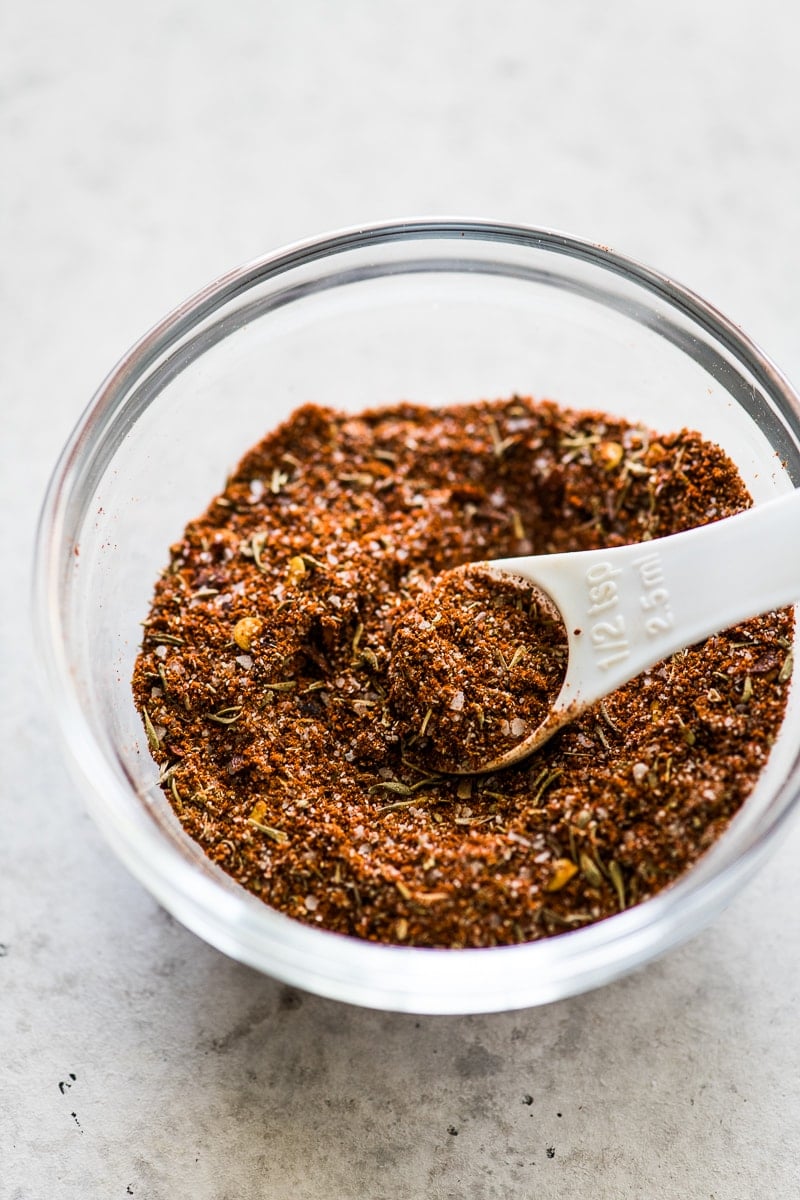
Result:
pixel 145 149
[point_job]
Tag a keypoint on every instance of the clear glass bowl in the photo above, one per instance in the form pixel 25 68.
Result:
pixel 428 311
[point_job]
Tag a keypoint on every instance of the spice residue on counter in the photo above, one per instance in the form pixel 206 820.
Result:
pixel 300 745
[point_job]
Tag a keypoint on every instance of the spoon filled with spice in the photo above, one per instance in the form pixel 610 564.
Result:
pixel 498 656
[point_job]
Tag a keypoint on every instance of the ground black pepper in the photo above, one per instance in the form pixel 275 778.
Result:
pixel 298 743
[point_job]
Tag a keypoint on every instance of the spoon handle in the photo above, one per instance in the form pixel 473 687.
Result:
pixel 629 607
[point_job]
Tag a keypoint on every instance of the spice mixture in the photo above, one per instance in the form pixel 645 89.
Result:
pixel 475 665
pixel 311 656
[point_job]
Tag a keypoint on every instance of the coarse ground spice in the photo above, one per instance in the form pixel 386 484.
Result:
pixel 297 744
pixel 475 665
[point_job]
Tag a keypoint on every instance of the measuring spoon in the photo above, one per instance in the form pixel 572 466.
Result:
pixel 627 608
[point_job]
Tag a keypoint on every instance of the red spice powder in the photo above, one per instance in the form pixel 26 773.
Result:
pixel 307 667
pixel 475 665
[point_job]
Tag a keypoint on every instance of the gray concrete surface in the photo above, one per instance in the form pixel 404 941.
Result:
pixel 144 149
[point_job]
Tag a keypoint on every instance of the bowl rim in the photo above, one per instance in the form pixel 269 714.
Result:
pixel 402 978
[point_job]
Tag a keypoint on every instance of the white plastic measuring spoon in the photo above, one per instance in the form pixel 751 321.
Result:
pixel 627 608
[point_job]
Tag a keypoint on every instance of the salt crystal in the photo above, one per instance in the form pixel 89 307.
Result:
pixel 244 660
pixel 457 703
pixel 311 903
pixel 639 771
pixel 518 727
pixel 256 489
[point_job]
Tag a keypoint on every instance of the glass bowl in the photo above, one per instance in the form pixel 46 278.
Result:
pixel 429 311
